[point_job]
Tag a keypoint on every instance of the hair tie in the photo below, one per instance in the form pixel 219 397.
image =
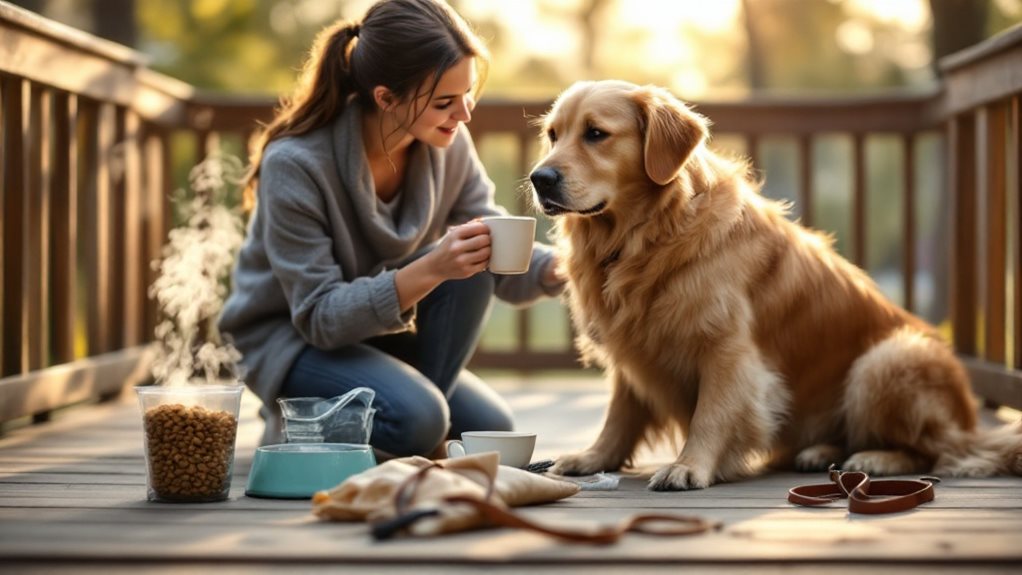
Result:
pixel 354 29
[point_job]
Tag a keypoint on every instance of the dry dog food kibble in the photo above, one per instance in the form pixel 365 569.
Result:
pixel 190 452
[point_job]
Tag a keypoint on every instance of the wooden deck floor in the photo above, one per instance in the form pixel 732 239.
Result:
pixel 72 498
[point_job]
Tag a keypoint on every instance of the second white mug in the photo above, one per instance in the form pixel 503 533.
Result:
pixel 515 447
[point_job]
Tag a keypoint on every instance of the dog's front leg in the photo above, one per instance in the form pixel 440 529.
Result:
pixel 736 413
pixel 626 423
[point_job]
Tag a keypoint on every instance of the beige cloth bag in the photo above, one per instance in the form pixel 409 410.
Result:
pixel 423 497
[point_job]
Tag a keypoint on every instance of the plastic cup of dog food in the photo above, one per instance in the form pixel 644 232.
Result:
pixel 189 441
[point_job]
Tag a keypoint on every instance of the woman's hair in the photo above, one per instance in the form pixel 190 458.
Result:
pixel 399 45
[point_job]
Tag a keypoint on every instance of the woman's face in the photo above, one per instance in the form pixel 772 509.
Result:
pixel 450 105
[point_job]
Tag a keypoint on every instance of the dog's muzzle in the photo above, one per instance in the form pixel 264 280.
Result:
pixel 548 183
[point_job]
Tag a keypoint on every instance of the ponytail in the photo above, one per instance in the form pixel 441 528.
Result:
pixel 399 44
pixel 323 88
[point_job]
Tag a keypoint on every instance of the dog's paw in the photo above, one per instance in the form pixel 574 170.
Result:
pixel 818 457
pixel 584 463
pixel 680 477
pixel 884 462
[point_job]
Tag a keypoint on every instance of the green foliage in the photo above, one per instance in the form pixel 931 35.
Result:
pixel 232 45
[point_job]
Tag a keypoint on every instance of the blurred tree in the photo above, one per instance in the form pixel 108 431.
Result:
pixel 957 24
pixel 115 20
pixel 237 45
pixel 36 6
pixel 754 54
pixel 838 45
pixel 589 22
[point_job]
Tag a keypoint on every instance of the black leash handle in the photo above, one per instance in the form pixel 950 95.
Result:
pixel 391 527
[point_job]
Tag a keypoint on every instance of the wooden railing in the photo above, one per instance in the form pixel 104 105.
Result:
pixel 980 105
pixel 93 142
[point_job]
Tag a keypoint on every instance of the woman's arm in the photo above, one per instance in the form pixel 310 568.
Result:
pixel 326 307
pixel 462 253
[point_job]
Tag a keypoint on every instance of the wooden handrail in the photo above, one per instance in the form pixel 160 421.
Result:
pixel 983 74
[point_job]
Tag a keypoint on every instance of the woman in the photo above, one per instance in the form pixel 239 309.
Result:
pixel 363 265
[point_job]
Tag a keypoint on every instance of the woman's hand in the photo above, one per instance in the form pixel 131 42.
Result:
pixel 463 252
pixel 553 275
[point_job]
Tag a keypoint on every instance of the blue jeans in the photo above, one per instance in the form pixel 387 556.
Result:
pixel 423 393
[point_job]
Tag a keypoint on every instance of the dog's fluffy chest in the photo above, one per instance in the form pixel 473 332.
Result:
pixel 616 306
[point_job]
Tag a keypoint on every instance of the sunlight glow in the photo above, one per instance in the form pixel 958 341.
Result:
pixel 666 40
pixel 204 9
pixel 912 15
pixel 854 36
pixel 693 47
pixel 912 55
pixel 315 12
pixel 690 82
pixel 1010 7
pixel 658 16
pixel 857 36
pixel 542 32
pixel 673 34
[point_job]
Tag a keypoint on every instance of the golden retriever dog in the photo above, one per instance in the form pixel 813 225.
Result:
pixel 715 315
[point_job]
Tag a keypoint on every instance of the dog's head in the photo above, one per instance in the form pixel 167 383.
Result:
pixel 605 140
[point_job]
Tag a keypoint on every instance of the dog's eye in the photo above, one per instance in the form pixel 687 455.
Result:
pixel 595 134
pixel 552 135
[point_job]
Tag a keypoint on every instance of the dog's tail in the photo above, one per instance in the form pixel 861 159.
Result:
pixel 983 453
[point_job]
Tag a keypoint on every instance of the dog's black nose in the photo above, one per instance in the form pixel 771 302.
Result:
pixel 546 180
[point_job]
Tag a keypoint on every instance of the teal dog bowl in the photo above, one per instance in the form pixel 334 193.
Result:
pixel 299 470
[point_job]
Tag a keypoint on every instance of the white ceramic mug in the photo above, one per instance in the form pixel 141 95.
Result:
pixel 515 447
pixel 511 240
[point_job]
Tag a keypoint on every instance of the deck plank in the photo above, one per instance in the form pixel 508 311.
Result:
pixel 73 491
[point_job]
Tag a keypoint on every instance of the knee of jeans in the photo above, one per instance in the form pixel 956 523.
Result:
pixel 421 430
pixel 506 423
pixel 500 420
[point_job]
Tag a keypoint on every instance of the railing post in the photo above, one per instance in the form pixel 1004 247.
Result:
pixel 117 239
pixel 805 177
pixel 524 317
pixel 133 265
pixel 909 221
pixel 156 219
pixel 962 181
pixel 93 221
pixel 64 228
pixel 12 199
pixel 859 200
pixel 995 232
pixel 36 246
pixel 1015 216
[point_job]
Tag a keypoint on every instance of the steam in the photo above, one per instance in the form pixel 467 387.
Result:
pixel 192 276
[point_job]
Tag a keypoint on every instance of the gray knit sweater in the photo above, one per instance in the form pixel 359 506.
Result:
pixel 318 264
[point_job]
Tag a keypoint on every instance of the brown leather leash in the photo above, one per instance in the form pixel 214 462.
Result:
pixel 663 525
pixel 650 523
pixel 865 495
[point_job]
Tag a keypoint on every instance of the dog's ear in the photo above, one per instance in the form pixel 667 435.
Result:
pixel 672 132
